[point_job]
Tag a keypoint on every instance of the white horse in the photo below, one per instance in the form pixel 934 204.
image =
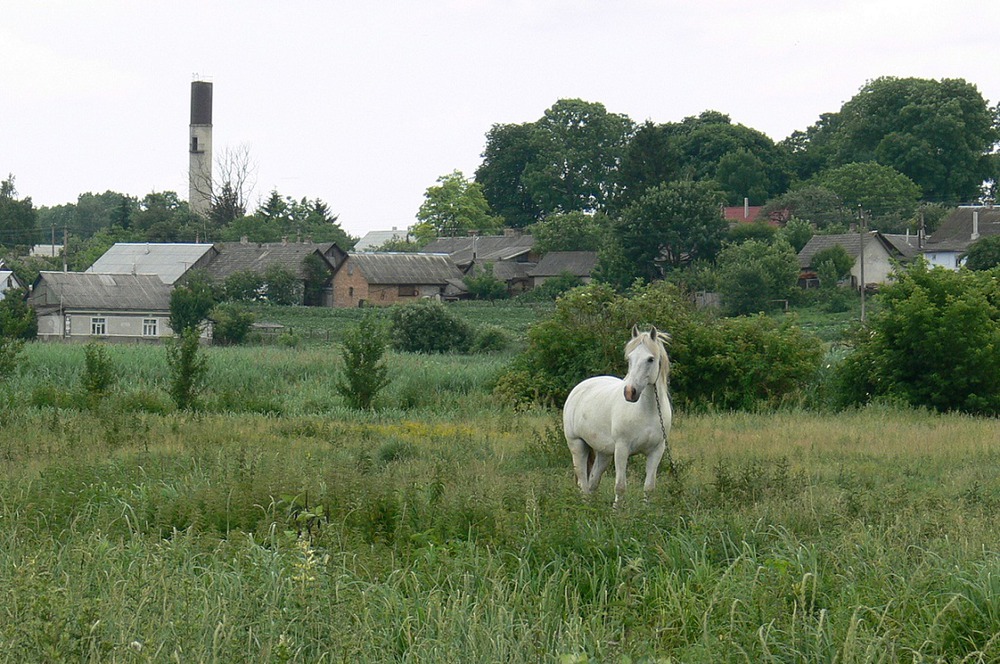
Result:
pixel 609 418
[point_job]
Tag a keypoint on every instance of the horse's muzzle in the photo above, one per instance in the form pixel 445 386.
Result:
pixel 631 394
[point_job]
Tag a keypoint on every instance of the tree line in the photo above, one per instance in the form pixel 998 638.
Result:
pixel 647 195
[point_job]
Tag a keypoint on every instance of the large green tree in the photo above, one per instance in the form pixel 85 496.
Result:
pixel 940 134
pixel 885 193
pixel 509 150
pixel 572 231
pixel 816 205
pixel 743 161
pixel 452 207
pixel 984 254
pixel 750 162
pixel 581 147
pixel 17 216
pixel 671 225
pixel 567 160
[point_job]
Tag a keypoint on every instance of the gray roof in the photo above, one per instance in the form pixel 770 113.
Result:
pixel 851 242
pixel 506 271
pixel 99 292
pixel 375 239
pixel 955 231
pixel 905 244
pixel 169 261
pixel 465 250
pixel 554 263
pixel 405 268
pixel 257 257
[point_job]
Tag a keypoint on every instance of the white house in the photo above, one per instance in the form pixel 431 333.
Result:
pixel 8 280
pixel 880 256
pixel 959 230
pixel 80 306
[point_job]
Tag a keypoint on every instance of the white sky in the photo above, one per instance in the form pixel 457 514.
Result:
pixel 366 103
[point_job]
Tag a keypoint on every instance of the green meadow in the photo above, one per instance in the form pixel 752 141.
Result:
pixel 276 525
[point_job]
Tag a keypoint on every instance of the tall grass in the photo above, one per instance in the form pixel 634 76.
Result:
pixel 270 380
pixel 449 529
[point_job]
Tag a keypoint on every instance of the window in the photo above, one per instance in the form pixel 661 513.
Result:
pixel 407 291
pixel 98 327
pixel 350 292
pixel 194 144
pixel 149 327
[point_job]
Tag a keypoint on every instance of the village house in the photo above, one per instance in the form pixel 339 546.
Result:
pixel 169 261
pixel 81 306
pixel 8 280
pixel 373 240
pixel 234 257
pixel 381 279
pixel 880 257
pixel 580 264
pixel 510 256
pixel 946 247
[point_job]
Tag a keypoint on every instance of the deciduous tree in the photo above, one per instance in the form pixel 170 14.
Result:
pixel 453 207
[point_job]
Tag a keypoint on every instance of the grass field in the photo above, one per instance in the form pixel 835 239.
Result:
pixel 279 526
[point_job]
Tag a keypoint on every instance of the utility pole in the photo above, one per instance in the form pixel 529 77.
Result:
pixel 861 257
pixel 65 249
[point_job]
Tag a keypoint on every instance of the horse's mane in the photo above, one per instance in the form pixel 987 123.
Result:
pixel 656 347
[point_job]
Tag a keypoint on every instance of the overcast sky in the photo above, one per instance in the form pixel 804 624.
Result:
pixel 364 104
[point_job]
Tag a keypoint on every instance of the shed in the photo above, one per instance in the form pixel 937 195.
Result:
pixel 392 278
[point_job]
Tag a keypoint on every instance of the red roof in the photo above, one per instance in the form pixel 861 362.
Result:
pixel 742 213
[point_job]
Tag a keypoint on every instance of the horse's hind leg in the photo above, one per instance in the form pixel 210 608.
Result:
pixel 581 452
pixel 601 464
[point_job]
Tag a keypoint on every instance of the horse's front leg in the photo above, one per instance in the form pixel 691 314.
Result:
pixel 621 463
pixel 652 463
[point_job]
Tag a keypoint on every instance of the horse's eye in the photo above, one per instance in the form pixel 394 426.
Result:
pixel 649 359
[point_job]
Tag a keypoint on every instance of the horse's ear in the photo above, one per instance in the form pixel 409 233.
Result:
pixel 653 333
pixel 635 331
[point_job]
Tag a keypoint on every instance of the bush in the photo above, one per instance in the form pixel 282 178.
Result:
pixel 10 355
pixel 934 341
pixel 99 373
pixel 755 275
pixel 364 374
pixel 490 339
pixel 585 336
pixel 17 319
pixel 743 363
pixel 485 285
pixel 428 327
pixel 230 324
pixel 188 368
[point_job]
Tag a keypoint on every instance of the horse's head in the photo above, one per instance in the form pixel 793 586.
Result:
pixel 647 361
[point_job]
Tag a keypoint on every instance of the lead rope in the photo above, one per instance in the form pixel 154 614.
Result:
pixel 666 439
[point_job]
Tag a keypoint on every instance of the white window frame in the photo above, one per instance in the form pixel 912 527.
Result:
pixel 98 326
pixel 150 327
